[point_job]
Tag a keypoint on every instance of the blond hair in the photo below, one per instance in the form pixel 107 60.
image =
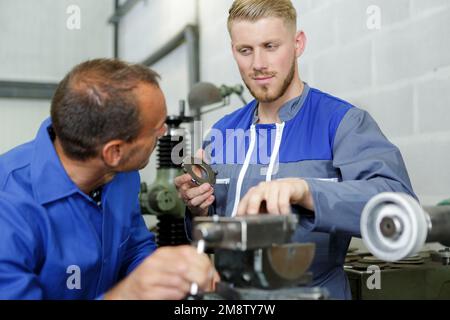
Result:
pixel 253 10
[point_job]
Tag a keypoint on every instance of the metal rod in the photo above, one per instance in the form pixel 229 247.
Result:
pixel 190 36
pixel 200 249
pixel 171 45
pixel 116 31
pixel 27 90
pixel 122 11
pixel 440 224
pixel 192 40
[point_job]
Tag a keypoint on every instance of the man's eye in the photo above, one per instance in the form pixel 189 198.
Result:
pixel 271 46
pixel 245 51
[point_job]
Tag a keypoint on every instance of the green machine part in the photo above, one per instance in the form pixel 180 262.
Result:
pixel 161 197
pixel 444 203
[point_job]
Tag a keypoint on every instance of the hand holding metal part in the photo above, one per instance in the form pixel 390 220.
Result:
pixel 206 173
pixel 195 187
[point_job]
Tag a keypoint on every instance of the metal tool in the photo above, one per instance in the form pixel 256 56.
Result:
pixel 200 249
pixel 395 226
pixel 246 232
pixel 208 175
pixel 255 257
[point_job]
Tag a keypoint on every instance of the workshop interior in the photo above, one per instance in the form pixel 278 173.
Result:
pixel 389 58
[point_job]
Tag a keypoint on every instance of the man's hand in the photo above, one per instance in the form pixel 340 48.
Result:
pixel 167 274
pixel 197 198
pixel 276 197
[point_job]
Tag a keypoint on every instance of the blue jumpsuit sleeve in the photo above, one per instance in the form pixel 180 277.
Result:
pixel 140 245
pixel 21 249
pixel 368 164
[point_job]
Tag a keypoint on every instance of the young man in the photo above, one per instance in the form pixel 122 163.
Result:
pixel 70 222
pixel 303 151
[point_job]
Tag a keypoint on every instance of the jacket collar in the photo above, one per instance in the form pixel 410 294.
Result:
pixel 49 179
pixel 290 109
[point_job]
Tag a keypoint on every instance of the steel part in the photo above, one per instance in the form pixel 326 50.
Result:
pixel 122 10
pixel 391 227
pixel 170 231
pixel 27 90
pixel 208 174
pixel 270 268
pixel 203 94
pixel 254 252
pixel 245 233
pixel 228 291
pixel 440 224
pixel 442 256
pixel 394 226
pixel 115 29
pixel 190 36
pixel 211 233
pixel 194 286
pixel 289 261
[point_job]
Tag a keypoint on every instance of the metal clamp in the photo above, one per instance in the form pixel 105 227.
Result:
pixel 188 167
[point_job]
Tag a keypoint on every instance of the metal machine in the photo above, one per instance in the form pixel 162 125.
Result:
pixel 161 197
pixel 422 276
pixel 255 258
pixel 395 226
pixel 205 94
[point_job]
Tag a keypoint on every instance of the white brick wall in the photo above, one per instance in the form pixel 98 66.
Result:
pixel 400 74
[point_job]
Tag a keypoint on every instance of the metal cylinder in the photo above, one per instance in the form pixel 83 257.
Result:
pixel 440 224
pixel 395 226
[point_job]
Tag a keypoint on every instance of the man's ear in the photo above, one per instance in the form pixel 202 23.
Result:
pixel 300 43
pixel 112 152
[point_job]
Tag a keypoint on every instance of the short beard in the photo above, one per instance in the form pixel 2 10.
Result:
pixel 265 97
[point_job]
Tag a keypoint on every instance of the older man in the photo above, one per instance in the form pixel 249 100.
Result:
pixel 70 223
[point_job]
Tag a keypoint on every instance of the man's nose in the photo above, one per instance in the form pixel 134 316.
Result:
pixel 259 60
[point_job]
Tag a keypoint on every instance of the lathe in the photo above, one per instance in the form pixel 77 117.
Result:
pixel 255 258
